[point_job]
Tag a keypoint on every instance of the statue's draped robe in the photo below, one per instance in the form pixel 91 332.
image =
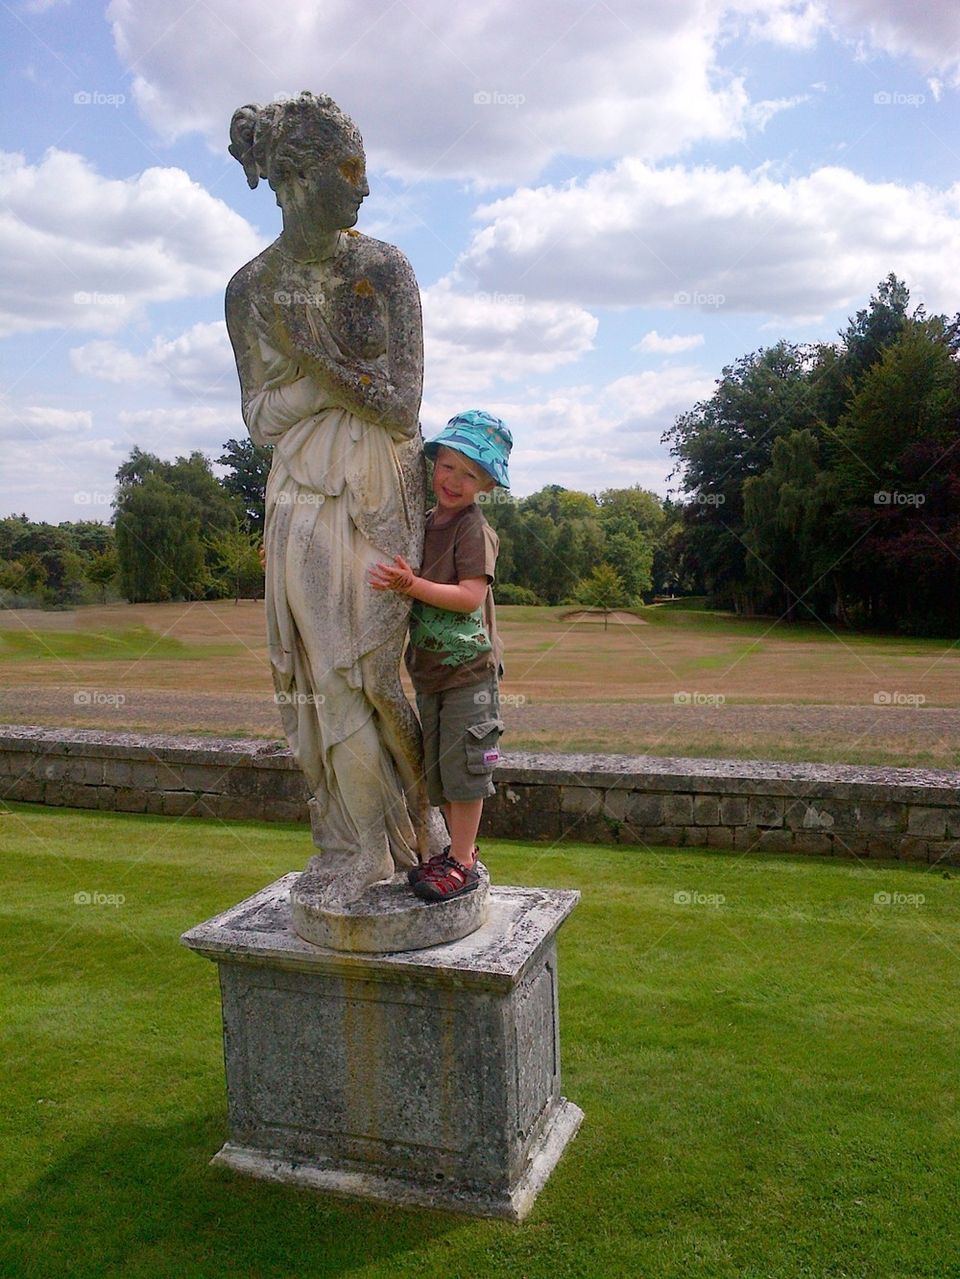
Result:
pixel 335 505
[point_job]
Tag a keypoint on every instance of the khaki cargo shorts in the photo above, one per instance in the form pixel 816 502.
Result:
pixel 461 741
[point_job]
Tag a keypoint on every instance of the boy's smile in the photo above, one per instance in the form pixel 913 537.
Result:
pixel 457 480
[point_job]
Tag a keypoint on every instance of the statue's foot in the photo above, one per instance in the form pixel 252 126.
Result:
pixel 340 878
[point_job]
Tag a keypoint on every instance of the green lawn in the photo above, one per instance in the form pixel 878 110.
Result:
pixel 766 1052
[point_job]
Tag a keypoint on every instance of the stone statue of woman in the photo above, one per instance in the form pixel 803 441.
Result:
pixel 326 329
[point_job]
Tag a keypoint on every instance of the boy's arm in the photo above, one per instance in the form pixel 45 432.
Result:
pixel 462 597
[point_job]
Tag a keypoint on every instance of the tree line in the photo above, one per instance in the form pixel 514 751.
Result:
pixel 823 481
pixel 818 482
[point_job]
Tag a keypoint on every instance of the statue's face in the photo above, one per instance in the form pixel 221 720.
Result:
pixel 330 191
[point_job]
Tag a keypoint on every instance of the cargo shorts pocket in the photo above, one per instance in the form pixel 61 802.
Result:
pixel 483 745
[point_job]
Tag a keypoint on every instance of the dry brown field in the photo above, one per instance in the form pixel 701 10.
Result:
pixel 675 684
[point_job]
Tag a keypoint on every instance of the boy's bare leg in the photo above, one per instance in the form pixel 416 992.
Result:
pixel 463 822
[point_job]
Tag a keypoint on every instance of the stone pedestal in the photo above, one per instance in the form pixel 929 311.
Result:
pixel 426 1077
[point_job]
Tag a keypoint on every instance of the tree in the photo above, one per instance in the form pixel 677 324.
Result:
pixel 160 510
pixel 236 557
pixel 158 544
pixel 248 466
pixel 604 590
pixel 101 569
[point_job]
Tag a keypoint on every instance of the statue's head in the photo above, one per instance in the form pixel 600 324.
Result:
pixel 308 151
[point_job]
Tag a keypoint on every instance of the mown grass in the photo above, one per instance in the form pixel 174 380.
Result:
pixel 120 644
pixel 765 1052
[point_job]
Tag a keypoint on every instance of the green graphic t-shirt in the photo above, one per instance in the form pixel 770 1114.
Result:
pixel 446 649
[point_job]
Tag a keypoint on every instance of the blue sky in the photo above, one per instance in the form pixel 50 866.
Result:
pixel 604 204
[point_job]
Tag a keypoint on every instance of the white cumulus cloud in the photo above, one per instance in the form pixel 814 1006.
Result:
pixel 87 252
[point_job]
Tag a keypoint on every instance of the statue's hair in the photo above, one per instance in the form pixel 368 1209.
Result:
pixel 274 141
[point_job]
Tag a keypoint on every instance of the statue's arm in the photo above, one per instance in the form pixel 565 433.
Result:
pixel 387 390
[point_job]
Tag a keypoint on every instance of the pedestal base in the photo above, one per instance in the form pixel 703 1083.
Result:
pixel 387 917
pixel 427 1077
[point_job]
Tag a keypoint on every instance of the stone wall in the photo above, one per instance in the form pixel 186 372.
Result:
pixel 842 810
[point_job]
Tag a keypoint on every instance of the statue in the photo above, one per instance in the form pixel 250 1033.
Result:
pixel 327 333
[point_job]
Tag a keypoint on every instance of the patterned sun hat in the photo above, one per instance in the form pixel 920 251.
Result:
pixel 481 437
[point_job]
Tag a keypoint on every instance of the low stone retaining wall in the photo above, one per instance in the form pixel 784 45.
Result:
pixel 644 800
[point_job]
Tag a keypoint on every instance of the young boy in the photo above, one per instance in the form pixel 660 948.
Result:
pixel 454 654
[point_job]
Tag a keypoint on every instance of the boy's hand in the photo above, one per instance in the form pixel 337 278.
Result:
pixel 397 576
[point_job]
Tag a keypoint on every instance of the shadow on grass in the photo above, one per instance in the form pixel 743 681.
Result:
pixel 144 1201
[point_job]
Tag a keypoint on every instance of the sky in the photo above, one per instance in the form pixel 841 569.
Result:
pixel 604 204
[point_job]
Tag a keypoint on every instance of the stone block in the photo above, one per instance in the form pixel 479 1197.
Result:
pixel 53 793
pixel 811 841
pixel 886 846
pixel 927 823
pixel 132 801
pixel 746 838
pixel 644 809
pixel 734 810
pixel 23 789
pixel 580 799
pixel 775 841
pixel 615 803
pixel 343 1068
pixel 106 798
pixel 678 810
pixel 178 803
pixel 852 843
pixel 953 822
pixel 706 810
pixel 720 836
pixel 652 836
pixel 695 836
pixel 945 853
pixel 913 849
pixel 765 811
pixel 73 795
pixel 883 817
pixel 204 777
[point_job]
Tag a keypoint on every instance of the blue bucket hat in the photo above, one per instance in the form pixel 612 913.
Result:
pixel 480 436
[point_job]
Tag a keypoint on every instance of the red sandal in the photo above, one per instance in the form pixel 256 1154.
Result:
pixel 436 862
pixel 448 878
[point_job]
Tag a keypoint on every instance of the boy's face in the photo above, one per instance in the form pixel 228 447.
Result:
pixel 457 480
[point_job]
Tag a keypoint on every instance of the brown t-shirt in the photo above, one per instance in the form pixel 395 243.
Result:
pixel 447 649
